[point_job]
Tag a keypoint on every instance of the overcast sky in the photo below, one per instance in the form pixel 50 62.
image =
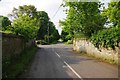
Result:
pixel 50 6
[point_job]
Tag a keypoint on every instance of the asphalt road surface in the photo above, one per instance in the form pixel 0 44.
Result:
pixel 59 61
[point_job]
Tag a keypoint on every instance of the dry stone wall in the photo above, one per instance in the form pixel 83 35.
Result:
pixel 83 45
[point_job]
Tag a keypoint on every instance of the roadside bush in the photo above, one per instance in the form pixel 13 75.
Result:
pixel 80 35
pixel 69 42
pixel 108 38
pixel 66 36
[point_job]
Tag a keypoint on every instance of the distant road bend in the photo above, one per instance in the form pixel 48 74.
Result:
pixel 59 61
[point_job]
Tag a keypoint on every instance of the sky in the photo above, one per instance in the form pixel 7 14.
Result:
pixel 49 6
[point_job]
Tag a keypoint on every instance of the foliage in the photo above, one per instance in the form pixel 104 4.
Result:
pixel 107 38
pixel 6 31
pixel 43 23
pixel 83 18
pixel 80 35
pixel 25 26
pixel 30 23
pixel 113 13
pixel 110 37
pixel 29 10
pixel 53 33
pixel 69 42
pixel 23 21
pixel 47 30
pixel 17 64
pixel 65 36
pixel 4 23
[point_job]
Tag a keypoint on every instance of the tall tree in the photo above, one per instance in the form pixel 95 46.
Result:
pixel 113 13
pixel 53 32
pixel 43 23
pixel 83 17
pixel 47 30
pixel 29 10
pixel 25 26
pixel 64 35
pixel 109 37
pixel 24 22
pixel 4 23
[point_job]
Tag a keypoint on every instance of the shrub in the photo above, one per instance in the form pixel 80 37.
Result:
pixel 108 38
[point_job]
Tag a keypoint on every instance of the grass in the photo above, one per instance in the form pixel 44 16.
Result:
pixel 101 59
pixel 18 64
pixel 69 42
pixel 7 31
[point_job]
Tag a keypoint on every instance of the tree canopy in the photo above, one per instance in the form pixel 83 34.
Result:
pixel 30 23
pixel 29 10
pixel 47 30
pixel 88 19
pixel 110 37
pixel 4 22
pixel 113 13
pixel 83 17
pixel 25 26
pixel 43 23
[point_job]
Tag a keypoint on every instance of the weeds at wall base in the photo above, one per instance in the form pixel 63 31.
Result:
pixel 18 64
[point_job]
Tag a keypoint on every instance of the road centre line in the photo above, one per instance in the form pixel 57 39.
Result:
pixel 57 54
pixel 73 70
pixel 69 66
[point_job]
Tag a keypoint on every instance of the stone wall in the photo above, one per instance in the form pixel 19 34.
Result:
pixel 13 45
pixel 83 45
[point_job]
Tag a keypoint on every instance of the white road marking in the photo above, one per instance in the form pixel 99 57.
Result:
pixel 73 70
pixel 68 66
pixel 64 66
pixel 57 54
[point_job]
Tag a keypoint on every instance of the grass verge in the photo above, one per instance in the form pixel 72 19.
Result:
pixel 69 42
pixel 7 31
pixel 18 64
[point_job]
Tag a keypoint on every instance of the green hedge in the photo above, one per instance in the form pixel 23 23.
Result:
pixel 108 38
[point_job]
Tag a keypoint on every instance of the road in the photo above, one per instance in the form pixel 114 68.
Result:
pixel 59 61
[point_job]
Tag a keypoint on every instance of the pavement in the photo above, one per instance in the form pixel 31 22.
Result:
pixel 59 61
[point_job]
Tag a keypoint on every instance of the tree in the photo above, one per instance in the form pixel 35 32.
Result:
pixel 27 21
pixel 47 30
pixel 29 10
pixel 63 36
pixel 24 21
pixel 109 37
pixel 113 13
pixel 67 30
pixel 53 32
pixel 83 18
pixel 5 22
pixel 43 23
pixel 25 26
